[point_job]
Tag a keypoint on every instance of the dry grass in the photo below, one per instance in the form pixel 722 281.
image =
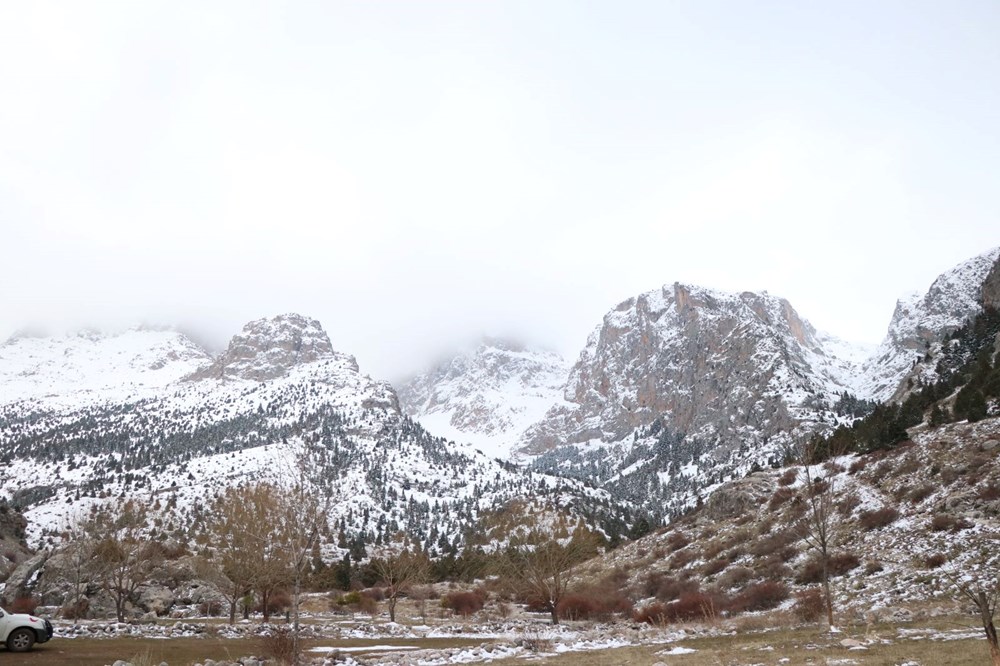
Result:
pixel 799 646
pixel 184 651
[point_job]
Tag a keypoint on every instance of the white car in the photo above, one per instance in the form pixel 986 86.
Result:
pixel 20 632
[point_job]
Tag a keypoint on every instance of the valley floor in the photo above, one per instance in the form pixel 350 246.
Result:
pixel 745 642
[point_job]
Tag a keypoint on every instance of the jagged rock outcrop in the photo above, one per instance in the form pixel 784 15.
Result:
pixel 487 397
pixel 733 369
pixel 13 549
pixel 921 322
pixel 269 348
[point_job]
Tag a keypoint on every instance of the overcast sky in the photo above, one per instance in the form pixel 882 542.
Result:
pixel 416 174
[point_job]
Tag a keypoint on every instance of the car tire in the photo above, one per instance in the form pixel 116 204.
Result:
pixel 20 640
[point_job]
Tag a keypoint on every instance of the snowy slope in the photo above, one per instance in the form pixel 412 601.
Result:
pixel 920 323
pixel 684 387
pixel 91 366
pixel 188 439
pixel 487 397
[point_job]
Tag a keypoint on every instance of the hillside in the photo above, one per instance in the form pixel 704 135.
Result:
pixel 278 396
pixel 906 523
pixel 487 397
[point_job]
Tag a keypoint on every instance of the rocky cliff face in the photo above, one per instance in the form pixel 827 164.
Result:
pixel 920 323
pixel 487 397
pixel 269 348
pixel 737 369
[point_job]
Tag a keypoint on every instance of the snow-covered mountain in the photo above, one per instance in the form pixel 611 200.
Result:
pixel 919 325
pixel 278 401
pixel 488 396
pixel 683 387
pixel 91 366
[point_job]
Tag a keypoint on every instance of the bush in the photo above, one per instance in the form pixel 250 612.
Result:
pixel 24 605
pixel 771 544
pixel 374 593
pixel 691 606
pixel 839 564
pixel 944 522
pixel 873 567
pixel 873 520
pixel 668 588
pixel 278 602
pixel 77 611
pixel 464 603
pixel 735 577
pixel 349 599
pixel 278 645
pixel 210 608
pixel 788 477
pixel 920 493
pixel 682 559
pixel 676 541
pixel 715 566
pixel 759 597
pixel 655 613
pixel 990 492
pixel 780 496
pixel 935 560
pixel 593 605
pixel 809 605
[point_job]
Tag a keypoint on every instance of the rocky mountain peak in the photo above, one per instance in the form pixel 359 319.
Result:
pixel 920 322
pixel 268 348
pixel 488 395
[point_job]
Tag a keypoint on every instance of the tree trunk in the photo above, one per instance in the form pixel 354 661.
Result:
pixel 232 610
pixel 555 613
pixel 826 590
pixel 989 628
pixel 295 613
pixel 392 609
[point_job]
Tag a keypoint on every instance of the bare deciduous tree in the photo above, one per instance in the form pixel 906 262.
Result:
pixel 820 529
pixel 399 573
pixel 544 571
pixel 123 556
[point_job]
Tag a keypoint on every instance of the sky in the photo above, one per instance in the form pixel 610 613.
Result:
pixel 417 174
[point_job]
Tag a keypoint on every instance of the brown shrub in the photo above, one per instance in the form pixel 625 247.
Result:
pixel 759 597
pixel 735 577
pixel 374 593
pixel 367 605
pixel 715 566
pixel 713 548
pixel 210 608
pixel 990 492
pixel 655 613
pixel 24 605
pixel 772 543
pixel 944 522
pixel 278 602
pixel 591 605
pixel 780 496
pixel 772 568
pixel 809 605
pixel 677 540
pixel 682 559
pixel 873 567
pixel 920 493
pixel 788 477
pixel 668 588
pixel 877 519
pixel 935 560
pixel 77 611
pixel 279 645
pixel 811 570
pixel 464 603
pixel 848 504
pixel 858 465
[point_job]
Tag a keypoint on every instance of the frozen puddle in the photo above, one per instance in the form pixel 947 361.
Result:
pixel 365 648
